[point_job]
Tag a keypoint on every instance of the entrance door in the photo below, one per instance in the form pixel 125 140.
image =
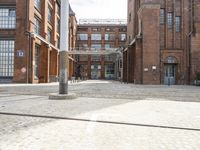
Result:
pixel 170 74
pixel 95 72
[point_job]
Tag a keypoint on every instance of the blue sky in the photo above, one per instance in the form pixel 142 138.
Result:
pixel 104 9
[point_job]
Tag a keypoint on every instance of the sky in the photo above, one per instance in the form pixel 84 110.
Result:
pixel 99 9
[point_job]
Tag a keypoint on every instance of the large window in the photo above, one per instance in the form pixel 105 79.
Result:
pixel 96 46
pixel 169 20
pixel 107 46
pixel 109 71
pixel 58 9
pixel 109 37
pixel 95 58
pixel 123 37
pixel 38 4
pixel 49 35
pixel 7 18
pixel 37 25
pixel 178 24
pixel 83 46
pixel 37 59
pixel 162 16
pixel 50 14
pixel 58 26
pixel 129 17
pixel 7 58
pixel 83 58
pixel 82 37
pixel 58 42
pixel 96 37
pixel 111 45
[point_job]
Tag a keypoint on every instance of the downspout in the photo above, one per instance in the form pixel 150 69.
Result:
pixel 139 36
pixel 29 43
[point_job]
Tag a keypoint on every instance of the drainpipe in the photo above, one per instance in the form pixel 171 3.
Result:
pixel 29 41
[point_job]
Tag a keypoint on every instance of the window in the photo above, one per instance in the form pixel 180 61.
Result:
pixel 50 12
pixel 96 46
pixel 109 37
pixel 58 9
pixel 82 46
pixel 37 59
pixel 162 16
pixel 129 17
pixel 96 29
pixel 58 42
pixel 169 20
pixel 49 35
pixel 108 29
pixel 178 24
pixel 83 58
pixel 107 46
pixel 38 4
pixel 129 38
pixel 96 37
pixel 51 1
pixel 122 29
pixel 7 58
pixel 7 18
pixel 82 37
pixel 109 58
pixel 123 37
pixel 58 26
pixel 37 25
pixel 109 71
pixel 95 58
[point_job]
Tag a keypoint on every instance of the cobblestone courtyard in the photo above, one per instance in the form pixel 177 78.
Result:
pixel 107 115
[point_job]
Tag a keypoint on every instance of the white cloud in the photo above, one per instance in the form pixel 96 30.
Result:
pixel 112 9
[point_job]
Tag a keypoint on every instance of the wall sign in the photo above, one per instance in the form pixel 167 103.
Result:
pixel 23 70
pixel 20 53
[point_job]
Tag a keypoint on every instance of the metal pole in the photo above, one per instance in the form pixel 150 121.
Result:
pixel 63 80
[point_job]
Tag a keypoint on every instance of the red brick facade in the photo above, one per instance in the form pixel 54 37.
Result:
pixel 163 42
pixel 110 36
pixel 36 36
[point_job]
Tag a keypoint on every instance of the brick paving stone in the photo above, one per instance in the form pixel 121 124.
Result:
pixel 135 117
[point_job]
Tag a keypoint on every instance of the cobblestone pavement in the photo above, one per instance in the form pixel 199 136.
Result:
pixel 111 89
pixel 107 115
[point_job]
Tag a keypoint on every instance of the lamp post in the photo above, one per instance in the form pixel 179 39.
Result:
pixel 63 80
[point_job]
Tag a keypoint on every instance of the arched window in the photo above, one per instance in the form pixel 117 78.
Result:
pixel 171 60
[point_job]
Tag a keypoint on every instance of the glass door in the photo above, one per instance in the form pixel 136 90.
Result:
pixel 170 74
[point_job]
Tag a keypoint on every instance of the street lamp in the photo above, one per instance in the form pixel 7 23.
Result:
pixel 63 80
pixel 64 31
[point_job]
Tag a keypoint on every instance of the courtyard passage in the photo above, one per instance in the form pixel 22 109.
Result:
pixel 107 115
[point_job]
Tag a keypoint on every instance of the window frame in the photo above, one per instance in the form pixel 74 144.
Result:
pixel 178 23
pixel 170 20
pixel 38 5
pixel 7 19
pixel 7 47
pixel 37 24
pixel 162 16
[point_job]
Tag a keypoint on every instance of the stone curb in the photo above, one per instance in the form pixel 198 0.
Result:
pixel 57 96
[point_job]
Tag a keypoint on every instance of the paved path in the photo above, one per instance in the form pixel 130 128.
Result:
pixel 107 116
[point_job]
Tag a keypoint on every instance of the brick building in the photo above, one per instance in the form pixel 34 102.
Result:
pixel 72 40
pixel 163 42
pixel 29 40
pixel 99 41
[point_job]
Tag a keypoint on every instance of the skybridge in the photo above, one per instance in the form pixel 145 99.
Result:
pixel 91 51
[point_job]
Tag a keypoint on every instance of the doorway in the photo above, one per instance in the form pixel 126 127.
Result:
pixel 95 71
pixel 170 74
